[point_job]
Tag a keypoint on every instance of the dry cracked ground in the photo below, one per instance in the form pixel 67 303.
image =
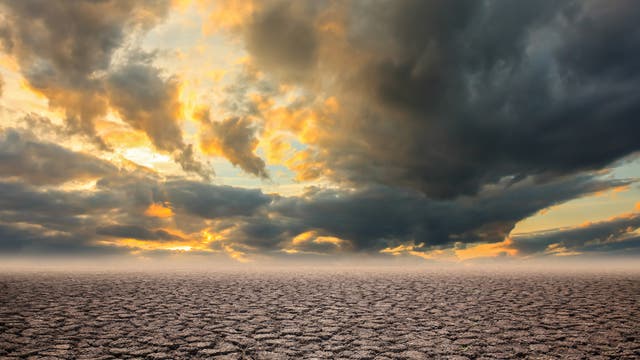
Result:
pixel 342 315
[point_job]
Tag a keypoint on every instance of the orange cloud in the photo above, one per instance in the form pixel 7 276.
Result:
pixel 398 249
pixel 228 15
pixel 311 242
pixel 158 210
pixel 305 167
pixel 613 191
pixel 559 250
pixel 236 254
pixel 486 250
pixel 277 149
pixel 410 249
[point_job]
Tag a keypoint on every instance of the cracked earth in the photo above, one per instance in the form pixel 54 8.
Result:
pixel 342 315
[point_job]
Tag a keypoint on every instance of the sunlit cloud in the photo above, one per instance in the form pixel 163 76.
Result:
pixel 158 210
pixel 486 250
pixel 269 129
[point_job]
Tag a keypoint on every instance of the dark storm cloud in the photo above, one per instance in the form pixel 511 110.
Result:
pixel 481 105
pixel 366 220
pixel 31 240
pixel 38 219
pixel 213 201
pixel 59 221
pixel 136 232
pixel 379 217
pixel 55 209
pixel 44 222
pixel 262 233
pixel 613 235
pixel 62 48
pixel 448 96
pixel 235 139
pixel 38 163
pixel 283 37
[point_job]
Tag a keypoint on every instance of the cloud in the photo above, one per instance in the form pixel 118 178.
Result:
pixel 618 235
pixel 19 239
pixel 24 157
pixel 447 97
pixel 311 242
pixel 249 222
pixel 63 49
pixel 213 201
pixel 366 219
pixel 234 138
pixel 66 52
pixel 380 217
pixel 136 232
pixel 148 102
pixel 281 37
pixel 439 125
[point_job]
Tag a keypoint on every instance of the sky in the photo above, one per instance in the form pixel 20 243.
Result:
pixel 246 131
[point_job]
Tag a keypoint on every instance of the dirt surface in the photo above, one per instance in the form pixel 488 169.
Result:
pixel 402 315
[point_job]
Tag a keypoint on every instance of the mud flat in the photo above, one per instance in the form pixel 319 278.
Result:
pixel 321 315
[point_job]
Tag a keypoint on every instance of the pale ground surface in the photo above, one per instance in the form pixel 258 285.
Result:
pixel 325 315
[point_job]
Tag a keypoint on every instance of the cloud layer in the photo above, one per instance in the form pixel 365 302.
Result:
pixel 446 97
pixel 320 221
pixel 419 127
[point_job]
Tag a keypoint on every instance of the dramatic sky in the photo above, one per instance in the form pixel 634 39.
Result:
pixel 413 130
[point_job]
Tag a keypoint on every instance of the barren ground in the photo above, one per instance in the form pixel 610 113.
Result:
pixel 348 315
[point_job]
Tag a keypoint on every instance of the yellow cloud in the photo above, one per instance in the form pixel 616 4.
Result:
pixel 486 250
pixel 236 254
pixel 559 250
pixel 303 242
pixel 399 249
pixel 158 210
pixel 228 15
pixel 332 105
pixel 305 167
pixel 145 245
pixel 410 249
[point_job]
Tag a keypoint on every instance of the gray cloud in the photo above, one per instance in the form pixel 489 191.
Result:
pixel 22 156
pixel 66 51
pixel 446 97
pixel 610 236
pixel 283 38
pixel 147 102
pixel 136 232
pixel 213 201
pixel 235 139
pixel 456 121
pixel 367 219
pixel 378 217
pixel 29 240
pixel 62 49
pixel 150 103
pixel 55 209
